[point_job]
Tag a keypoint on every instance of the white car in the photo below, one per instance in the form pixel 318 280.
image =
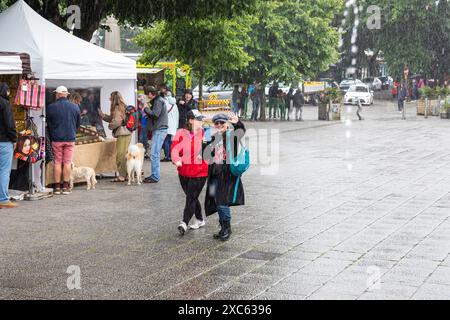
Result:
pixel 346 83
pixel 374 83
pixel 359 92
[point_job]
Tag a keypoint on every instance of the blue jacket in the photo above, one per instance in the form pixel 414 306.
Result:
pixel 63 120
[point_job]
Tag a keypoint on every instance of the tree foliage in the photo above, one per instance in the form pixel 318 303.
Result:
pixel 415 33
pixel 142 12
pixel 292 40
pixel 209 46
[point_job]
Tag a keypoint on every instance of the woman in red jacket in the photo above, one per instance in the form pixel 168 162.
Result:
pixel 186 152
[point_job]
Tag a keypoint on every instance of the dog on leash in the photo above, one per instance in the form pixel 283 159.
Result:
pixel 83 174
pixel 135 162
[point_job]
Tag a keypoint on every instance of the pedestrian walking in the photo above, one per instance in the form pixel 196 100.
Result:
pixel 299 102
pixel 63 120
pixel 402 94
pixel 236 99
pixel 288 101
pixel 224 190
pixel 243 102
pixel 186 104
pixel 172 124
pixel 158 123
pixel 256 103
pixel 8 138
pixel 187 147
pixel 273 100
pixel 359 109
pixel 116 120
pixel 281 104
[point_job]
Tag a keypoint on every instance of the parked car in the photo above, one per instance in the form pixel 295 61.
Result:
pixel 346 83
pixel 222 91
pixel 373 83
pixel 386 82
pixel 359 92
pixel 196 91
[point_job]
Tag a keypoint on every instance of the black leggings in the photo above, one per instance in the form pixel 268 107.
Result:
pixel 192 187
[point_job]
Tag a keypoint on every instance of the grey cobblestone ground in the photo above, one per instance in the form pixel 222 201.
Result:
pixel 351 204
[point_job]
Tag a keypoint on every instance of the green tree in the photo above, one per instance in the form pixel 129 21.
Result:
pixel 142 12
pixel 292 40
pixel 415 33
pixel 209 46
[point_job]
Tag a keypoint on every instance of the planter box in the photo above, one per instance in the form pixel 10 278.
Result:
pixel 445 115
pixel 336 111
pixel 431 110
pixel 323 111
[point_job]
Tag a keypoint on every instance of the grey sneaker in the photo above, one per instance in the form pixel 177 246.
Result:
pixel 182 228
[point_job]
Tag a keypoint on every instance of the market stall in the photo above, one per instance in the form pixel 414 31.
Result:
pixel 14 71
pixel 59 58
pixel 176 75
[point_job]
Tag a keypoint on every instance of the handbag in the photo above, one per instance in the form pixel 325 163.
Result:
pixel 30 147
pixel 239 164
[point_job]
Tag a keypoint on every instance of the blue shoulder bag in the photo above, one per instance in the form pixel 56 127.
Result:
pixel 239 164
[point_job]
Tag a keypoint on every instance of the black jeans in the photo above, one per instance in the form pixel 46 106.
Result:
pixel 192 187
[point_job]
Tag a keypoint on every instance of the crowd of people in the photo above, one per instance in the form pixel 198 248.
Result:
pixel 174 128
pixel 281 103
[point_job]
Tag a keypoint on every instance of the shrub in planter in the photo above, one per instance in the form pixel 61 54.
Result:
pixel 428 92
pixel 445 110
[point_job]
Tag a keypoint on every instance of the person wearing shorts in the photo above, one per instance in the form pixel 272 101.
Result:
pixel 63 120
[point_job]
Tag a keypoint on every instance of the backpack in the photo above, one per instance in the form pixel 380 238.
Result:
pixel 131 118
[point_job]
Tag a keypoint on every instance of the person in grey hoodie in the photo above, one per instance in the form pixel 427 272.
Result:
pixel 158 124
pixel 173 119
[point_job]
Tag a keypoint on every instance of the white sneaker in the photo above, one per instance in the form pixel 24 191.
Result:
pixel 197 224
pixel 182 228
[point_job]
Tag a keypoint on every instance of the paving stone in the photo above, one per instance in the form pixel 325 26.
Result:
pixel 346 206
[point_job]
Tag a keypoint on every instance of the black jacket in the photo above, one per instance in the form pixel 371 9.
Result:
pixel 299 99
pixel 222 173
pixel 183 111
pixel 8 131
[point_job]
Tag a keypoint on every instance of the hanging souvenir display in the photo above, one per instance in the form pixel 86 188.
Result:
pixel 30 147
pixel 30 94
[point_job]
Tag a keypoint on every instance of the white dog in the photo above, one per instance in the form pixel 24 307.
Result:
pixel 83 174
pixel 135 162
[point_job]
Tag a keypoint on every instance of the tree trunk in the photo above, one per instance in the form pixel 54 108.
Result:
pixel 262 98
pixel 200 87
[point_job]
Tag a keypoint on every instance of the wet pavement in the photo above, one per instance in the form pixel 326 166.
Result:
pixel 354 210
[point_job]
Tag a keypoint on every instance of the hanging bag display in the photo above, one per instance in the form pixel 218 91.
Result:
pixel 30 147
pixel 30 94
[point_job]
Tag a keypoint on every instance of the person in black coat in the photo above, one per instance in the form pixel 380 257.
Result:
pixel 8 137
pixel 186 104
pixel 224 190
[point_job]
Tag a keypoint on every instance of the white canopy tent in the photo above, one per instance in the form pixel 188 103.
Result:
pixel 10 64
pixel 59 58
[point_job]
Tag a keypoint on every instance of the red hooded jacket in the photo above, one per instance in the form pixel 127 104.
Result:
pixel 187 148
